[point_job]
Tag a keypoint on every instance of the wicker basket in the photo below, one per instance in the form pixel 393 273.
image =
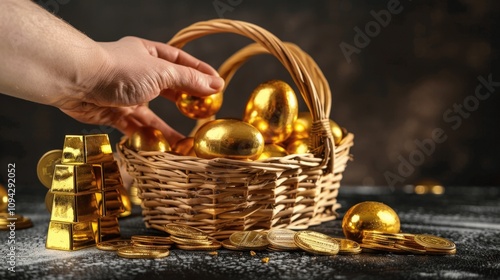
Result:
pixel 221 196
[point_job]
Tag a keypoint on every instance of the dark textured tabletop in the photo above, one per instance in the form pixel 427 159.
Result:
pixel 469 216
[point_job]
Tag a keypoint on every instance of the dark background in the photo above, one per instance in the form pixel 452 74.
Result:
pixel 393 92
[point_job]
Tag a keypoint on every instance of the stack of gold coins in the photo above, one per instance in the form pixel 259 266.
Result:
pixel 138 247
pixel 14 222
pixel 406 243
pixel 190 238
pixel 154 242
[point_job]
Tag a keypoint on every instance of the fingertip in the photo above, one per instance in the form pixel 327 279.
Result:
pixel 217 83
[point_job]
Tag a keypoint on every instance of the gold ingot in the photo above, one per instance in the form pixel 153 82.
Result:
pixel 272 150
pixel 74 208
pixel 108 175
pixel 196 107
pixel 105 229
pixel 46 165
pixel 184 147
pixel 110 203
pixel 369 215
pixel 272 108
pixel 299 146
pixel 92 148
pixel 74 179
pixel 126 202
pixel 69 236
pixel 148 138
pixel 302 128
pixel 4 198
pixel 228 138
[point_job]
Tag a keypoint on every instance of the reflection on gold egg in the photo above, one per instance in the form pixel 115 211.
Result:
pixel 127 204
pixel 272 150
pixel 272 108
pixel 300 146
pixel 4 198
pixel 148 138
pixel 184 147
pixel 369 215
pixel 196 107
pixel 228 138
pixel 302 128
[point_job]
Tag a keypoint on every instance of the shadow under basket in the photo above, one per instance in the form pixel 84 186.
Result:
pixel 221 196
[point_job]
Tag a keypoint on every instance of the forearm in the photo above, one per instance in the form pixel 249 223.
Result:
pixel 43 59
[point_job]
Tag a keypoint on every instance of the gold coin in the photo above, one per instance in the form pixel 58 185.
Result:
pixel 380 247
pixel 132 252
pixel 185 231
pixel 228 245
pixel 150 245
pixel 348 246
pixel 165 240
pixel 19 222
pixel 188 241
pixel 316 243
pixel 49 199
pixel 211 247
pixel 249 239
pixel 112 245
pixel 45 166
pixel 4 198
pixel 434 242
pixel 282 239
pixel 410 249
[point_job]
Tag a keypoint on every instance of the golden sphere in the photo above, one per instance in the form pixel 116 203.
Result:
pixel 184 147
pixel 337 132
pixel 272 150
pixel 272 108
pixel 4 198
pixel 228 138
pixel 299 146
pixel 148 138
pixel 369 215
pixel 196 107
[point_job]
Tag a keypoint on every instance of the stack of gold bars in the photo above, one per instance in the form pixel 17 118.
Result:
pixel 85 192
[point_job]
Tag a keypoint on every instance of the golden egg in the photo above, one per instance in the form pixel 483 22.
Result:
pixel 299 146
pixel 302 128
pixel 196 107
pixel 369 215
pixel 272 150
pixel 148 138
pixel 184 147
pixel 127 204
pixel 272 108
pixel 4 198
pixel 228 138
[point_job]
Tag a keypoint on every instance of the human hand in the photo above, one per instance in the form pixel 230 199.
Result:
pixel 135 71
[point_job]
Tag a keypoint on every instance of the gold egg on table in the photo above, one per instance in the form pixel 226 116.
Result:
pixel 369 215
pixel 228 138
pixel 4 198
pixel 184 147
pixel 272 108
pixel 196 107
pixel 337 132
pixel 148 138
pixel 298 146
pixel 272 150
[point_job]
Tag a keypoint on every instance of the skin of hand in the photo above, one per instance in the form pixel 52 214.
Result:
pixel 47 61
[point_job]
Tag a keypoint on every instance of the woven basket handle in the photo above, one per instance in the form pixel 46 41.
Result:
pixel 321 139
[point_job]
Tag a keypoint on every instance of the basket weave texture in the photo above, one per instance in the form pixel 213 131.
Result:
pixel 221 196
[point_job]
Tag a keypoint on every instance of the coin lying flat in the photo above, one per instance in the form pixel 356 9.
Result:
pixel 214 246
pixel 112 245
pixel 132 252
pixel 46 165
pixel 434 242
pixel 316 243
pixel 185 231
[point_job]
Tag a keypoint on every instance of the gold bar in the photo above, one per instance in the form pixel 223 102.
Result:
pixel 98 148
pixel 110 203
pixel 106 228
pixel 74 208
pixel 69 236
pixel 73 149
pixel 74 179
pixel 108 175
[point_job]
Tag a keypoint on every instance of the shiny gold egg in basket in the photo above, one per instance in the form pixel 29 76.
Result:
pixel 148 138
pixel 226 188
